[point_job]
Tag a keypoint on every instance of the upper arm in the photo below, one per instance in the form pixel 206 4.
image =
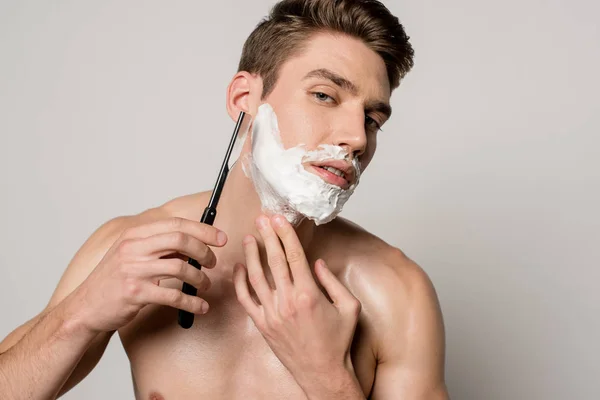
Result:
pixel 412 348
pixel 82 264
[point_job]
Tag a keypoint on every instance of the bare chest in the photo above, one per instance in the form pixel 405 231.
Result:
pixel 223 356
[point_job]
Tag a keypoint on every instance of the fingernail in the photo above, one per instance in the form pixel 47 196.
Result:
pixel 221 238
pixel 278 220
pixel 262 221
pixel 248 239
pixel 204 308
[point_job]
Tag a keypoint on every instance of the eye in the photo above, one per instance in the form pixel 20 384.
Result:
pixel 371 123
pixel 323 97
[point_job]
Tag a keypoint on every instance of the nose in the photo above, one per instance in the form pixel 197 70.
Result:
pixel 352 134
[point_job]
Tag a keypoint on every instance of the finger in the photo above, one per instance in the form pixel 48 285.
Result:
pixel 341 296
pixel 294 252
pixel 256 275
pixel 175 268
pixel 205 233
pixel 243 293
pixel 175 298
pixel 164 244
pixel 275 254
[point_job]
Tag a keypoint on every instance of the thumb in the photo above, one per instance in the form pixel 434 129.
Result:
pixel 335 289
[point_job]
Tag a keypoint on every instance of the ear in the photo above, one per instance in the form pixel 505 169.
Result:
pixel 243 94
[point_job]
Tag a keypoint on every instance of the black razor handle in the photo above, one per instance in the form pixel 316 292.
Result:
pixel 186 318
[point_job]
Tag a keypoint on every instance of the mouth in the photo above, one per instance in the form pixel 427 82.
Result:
pixel 335 172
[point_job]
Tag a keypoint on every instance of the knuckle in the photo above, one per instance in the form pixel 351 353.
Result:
pixel 176 297
pixel 295 255
pixel 354 307
pixel 357 307
pixel 178 268
pixel 306 300
pixel 276 261
pixel 178 239
pixel 175 223
pixel 125 247
pixel 132 289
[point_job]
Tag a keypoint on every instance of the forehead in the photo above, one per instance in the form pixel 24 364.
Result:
pixel 344 55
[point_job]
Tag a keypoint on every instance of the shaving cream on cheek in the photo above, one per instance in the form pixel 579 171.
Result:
pixel 283 184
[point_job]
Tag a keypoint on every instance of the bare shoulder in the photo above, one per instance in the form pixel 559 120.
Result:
pixel 96 246
pixel 103 238
pixel 401 309
pixel 393 289
pixel 189 207
pixel 374 258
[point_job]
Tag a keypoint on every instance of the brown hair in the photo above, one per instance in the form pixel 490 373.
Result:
pixel 285 30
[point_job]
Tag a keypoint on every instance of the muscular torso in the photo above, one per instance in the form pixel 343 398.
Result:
pixel 224 356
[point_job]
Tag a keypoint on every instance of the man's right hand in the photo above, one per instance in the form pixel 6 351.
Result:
pixel 127 278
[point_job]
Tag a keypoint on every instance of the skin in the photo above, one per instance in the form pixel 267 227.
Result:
pixel 294 312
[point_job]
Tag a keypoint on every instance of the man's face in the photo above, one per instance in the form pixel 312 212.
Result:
pixel 336 91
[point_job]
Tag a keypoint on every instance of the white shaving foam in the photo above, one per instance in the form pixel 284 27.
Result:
pixel 282 183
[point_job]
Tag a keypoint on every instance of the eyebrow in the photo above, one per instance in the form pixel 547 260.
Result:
pixel 333 77
pixel 376 106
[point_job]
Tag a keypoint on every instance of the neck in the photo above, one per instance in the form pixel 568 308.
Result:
pixel 238 208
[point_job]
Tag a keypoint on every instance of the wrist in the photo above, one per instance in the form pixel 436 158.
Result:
pixel 74 317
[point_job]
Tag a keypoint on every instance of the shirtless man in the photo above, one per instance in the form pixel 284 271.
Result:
pixel 331 311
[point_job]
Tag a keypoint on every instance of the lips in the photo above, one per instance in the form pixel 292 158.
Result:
pixel 335 172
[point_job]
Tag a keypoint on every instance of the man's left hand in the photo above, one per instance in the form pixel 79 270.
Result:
pixel 310 335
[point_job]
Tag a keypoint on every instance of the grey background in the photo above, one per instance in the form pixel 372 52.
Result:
pixel 487 175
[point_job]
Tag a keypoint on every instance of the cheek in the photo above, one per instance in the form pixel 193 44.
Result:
pixel 294 128
pixel 298 124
